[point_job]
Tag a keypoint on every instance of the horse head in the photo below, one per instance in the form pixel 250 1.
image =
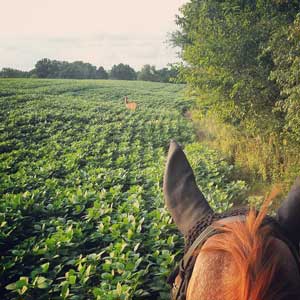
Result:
pixel 238 257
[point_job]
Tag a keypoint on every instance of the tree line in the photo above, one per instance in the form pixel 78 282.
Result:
pixel 47 68
pixel 241 61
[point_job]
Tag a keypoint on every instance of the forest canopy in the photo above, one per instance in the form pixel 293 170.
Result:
pixel 241 61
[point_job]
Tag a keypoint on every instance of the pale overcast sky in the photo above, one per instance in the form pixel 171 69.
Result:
pixel 102 32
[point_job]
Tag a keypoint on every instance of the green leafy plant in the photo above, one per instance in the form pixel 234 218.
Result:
pixel 82 212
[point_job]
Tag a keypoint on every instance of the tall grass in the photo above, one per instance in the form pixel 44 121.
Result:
pixel 263 159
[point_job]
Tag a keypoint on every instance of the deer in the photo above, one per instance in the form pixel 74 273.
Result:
pixel 130 105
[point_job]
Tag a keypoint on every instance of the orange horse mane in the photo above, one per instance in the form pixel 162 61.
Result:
pixel 255 259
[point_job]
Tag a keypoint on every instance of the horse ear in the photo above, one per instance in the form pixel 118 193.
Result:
pixel 184 200
pixel 288 214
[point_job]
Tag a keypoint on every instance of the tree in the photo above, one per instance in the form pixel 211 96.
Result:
pixel 241 61
pixel 47 68
pixel 79 70
pixel 43 68
pixel 169 74
pixel 285 50
pixel 148 73
pixel 225 48
pixel 13 73
pixel 123 72
pixel 101 73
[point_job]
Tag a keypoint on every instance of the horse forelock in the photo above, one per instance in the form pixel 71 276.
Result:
pixel 245 262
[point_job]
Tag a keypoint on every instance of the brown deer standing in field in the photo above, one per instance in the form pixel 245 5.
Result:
pixel 130 105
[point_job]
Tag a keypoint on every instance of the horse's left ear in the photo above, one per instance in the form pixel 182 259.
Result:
pixel 288 214
pixel 184 200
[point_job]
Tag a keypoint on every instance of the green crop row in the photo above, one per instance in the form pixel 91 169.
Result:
pixel 82 213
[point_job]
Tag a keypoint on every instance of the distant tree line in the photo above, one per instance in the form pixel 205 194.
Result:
pixel 14 73
pixel 47 68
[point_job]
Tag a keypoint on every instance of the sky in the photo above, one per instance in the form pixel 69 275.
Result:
pixel 101 32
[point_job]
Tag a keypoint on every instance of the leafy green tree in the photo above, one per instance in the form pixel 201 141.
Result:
pixel 47 68
pixel 123 72
pixel 167 74
pixel 285 49
pixel 13 73
pixel 43 68
pixel 241 59
pixel 225 46
pixel 170 74
pixel 148 73
pixel 101 73
pixel 79 70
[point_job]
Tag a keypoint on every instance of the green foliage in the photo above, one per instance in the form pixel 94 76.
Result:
pixel 78 70
pixel 149 73
pixel 122 72
pixel 223 44
pixel 241 62
pixel 214 176
pixel 46 68
pixel 13 73
pixel 259 158
pixel 82 213
pixel 101 73
pixel 286 55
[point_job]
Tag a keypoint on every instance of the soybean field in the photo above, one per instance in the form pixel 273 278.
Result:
pixel 81 211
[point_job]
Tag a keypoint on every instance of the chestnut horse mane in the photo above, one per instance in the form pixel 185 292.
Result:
pixel 256 261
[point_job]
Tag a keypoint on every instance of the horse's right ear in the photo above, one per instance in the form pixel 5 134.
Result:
pixel 288 214
pixel 184 200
